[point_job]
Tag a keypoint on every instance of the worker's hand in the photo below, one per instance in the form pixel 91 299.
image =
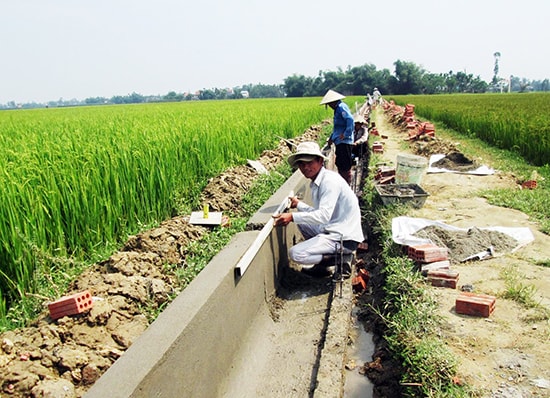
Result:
pixel 294 202
pixel 282 219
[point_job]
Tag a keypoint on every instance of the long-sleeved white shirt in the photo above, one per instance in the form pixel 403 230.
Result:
pixel 335 208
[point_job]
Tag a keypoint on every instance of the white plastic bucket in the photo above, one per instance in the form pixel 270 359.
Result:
pixel 410 169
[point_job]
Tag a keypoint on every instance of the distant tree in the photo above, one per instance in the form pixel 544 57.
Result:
pixel 433 83
pixel 408 78
pixel 296 85
pixel 96 101
pixel 135 98
pixel 363 79
pixel 207 95
pixel 172 96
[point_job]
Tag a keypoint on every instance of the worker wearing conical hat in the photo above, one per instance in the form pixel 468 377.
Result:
pixel 342 132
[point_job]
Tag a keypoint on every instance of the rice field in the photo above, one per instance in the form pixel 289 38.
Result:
pixel 76 181
pixel 513 121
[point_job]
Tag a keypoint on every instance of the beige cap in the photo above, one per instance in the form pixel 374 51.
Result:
pixel 359 119
pixel 331 96
pixel 306 151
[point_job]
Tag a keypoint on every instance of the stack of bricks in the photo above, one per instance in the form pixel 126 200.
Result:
pixel 71 305
pixel 443 278
pixel 377 147
pixel 405 118
pixel 408 114
pixel 417 129
pixel 435 264
pixel 475 304
pixel 385 175
pixel 427 253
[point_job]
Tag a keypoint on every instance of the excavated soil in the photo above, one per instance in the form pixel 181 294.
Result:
pixel 64 357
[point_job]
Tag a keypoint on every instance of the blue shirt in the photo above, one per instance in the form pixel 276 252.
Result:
pixel 343 124
pixel 335 208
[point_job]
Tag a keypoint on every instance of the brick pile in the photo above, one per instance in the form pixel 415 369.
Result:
pixel 435 266
pixel 404 117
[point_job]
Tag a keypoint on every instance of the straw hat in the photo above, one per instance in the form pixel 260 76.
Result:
pixel 306 152
pixel 359 119
pixel 331 96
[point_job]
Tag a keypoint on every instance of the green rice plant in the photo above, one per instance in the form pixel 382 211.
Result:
pixel 453 109
pixel 75 182
pixel 517 122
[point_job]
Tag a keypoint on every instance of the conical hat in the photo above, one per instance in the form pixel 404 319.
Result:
pixel 331 96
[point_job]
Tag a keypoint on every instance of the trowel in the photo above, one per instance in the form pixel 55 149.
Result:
pixel 481 255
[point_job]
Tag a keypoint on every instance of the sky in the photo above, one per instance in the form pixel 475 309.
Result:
pixel 70 49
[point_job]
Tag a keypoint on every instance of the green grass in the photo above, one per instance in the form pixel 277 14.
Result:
pixel 408 312
pixel 516 289
pixel 76 182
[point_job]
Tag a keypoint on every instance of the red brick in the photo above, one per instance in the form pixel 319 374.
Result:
pixel 358 284
pixel 364 274
pixel 428 127
pixel 71 305
pixel 531 184
pixel 436 265
pixel 443 282
pixel 443 273
pixel 475 304
pixel 427 253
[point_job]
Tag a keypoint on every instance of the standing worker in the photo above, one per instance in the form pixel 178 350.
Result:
pixel 376 96
pixel 332 223
pixel 342 132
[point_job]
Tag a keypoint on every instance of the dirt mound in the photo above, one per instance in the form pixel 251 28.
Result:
pixel 456 161
pixel 432 145
pixel 462 244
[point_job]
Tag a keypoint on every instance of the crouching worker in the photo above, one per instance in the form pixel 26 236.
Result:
pixel 333 218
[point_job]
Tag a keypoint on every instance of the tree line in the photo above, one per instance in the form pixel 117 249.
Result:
pixel 407 78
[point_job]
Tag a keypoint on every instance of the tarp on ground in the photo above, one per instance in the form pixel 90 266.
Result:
pixel 404 227
pixel 481 170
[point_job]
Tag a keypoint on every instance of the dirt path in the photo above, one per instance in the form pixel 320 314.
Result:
pixel 507 354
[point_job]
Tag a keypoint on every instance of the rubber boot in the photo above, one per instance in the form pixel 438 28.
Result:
pixel 323 269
